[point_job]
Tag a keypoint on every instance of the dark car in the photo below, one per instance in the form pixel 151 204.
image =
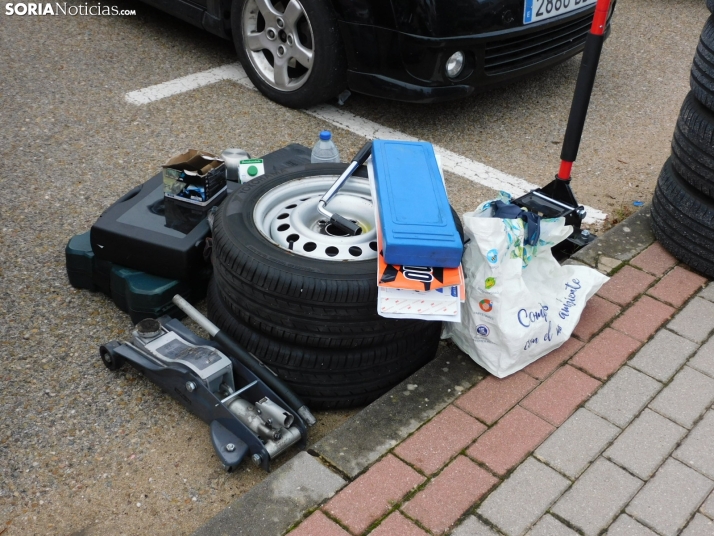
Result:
pixel 302 52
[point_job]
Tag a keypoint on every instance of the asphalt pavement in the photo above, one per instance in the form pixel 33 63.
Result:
pixel 84 450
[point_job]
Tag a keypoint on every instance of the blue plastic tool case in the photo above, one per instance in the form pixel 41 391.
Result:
pixel 415 216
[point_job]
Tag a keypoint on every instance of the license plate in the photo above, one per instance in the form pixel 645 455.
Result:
pixel 537 10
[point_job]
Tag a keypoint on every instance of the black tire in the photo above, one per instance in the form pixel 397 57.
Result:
pixel 251 260
pixel 683 221
pixel 693 147
pixel 710 5
pixel 326 379
pixel 702 76
pixel 317 31
pixel 292 298
pixel 255 275
pixel 318 327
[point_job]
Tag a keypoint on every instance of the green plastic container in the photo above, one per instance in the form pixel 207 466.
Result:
pixel 139 294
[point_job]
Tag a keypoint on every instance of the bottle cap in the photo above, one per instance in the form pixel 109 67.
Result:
pixel 325 135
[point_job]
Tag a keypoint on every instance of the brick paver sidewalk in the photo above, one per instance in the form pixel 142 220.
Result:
pixel 613 431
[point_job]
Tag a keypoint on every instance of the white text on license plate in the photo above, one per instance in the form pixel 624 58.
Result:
pixel 536 10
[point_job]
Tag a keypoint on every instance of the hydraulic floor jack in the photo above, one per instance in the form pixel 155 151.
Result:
pixel 250 411
pixel 556 199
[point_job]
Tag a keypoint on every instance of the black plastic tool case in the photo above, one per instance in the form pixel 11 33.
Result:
pixel 133 232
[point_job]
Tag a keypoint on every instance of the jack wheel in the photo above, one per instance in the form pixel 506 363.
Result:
pixel 109 357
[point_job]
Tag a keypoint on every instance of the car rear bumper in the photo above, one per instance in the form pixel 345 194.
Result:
pixel 395 65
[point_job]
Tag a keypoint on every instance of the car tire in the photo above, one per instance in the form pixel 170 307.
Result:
pixel 331 379
pixel 308 37
pixel 710 5
pixel 314 326
pixel 255 274
pixel 692 149
pixel 683 221
pixel 701 79
pixel 295 298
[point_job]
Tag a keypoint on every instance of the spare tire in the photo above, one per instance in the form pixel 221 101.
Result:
pixel 293 259
pixel 683 221
pixel 314 326
pixel 302 296
pixel 329 379
pixel 291 277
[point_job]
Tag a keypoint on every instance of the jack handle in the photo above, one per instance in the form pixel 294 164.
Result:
pixel 583 89
pixel 249 360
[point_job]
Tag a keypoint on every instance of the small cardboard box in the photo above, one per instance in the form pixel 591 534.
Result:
pixel 194 176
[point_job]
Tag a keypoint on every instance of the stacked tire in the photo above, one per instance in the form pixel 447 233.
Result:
pixel 683 204
pixel 313 321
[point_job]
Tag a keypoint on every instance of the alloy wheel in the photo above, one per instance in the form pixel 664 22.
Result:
pixel 279 42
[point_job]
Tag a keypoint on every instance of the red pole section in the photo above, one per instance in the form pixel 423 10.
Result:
pixel 565 169
pixel 600 19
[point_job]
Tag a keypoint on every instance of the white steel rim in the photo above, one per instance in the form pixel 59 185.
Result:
pixel 288 217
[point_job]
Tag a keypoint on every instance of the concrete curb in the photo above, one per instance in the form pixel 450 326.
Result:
pixel 278 502
pixel 620 244
pixel 382 425
pixel 305 482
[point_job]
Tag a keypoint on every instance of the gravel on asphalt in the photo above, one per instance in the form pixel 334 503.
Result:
pixel 88 451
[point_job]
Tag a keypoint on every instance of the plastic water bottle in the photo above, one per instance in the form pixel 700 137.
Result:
pixel 325 149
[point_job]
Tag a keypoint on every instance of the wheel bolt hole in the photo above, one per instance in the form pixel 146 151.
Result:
pixel 283 216
pixel 281 50
pixel 355 251
pixel 373 246
pixel 280 22
pixel 310 246
pixel 283 36
pixel 293 238
pixel 332 251
pixel 283 227
pixel 270 33
pixel 290 40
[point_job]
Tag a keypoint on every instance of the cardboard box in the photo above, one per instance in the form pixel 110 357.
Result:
pixel 194 176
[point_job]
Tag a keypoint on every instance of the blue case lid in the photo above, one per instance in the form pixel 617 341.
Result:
pixel 415 216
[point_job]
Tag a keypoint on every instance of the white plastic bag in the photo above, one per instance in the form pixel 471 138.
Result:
pixel 520 303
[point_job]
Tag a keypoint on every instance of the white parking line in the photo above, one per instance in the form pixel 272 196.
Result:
pixel 452 162
pixel 233 71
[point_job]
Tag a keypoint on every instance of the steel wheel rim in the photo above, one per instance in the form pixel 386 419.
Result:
pixel 287 216
pixel 279 44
